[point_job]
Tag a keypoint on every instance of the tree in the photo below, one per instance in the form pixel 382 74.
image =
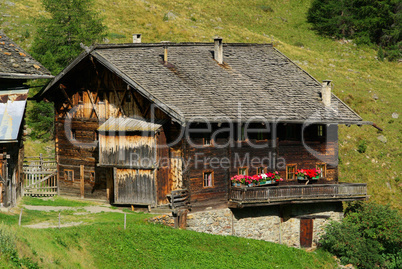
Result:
pixel 59 34
pixel 56 43
pixel 368 22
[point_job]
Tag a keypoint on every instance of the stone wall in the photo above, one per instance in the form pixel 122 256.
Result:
pixel 279 224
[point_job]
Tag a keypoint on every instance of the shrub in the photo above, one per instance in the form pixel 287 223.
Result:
pixel 362 147
pixel 368 236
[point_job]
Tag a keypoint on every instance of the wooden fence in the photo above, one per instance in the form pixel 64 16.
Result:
pixel 286 194
pixel 40 176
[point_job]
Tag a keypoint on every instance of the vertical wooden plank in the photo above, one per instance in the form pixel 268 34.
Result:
pixel 82 183
pixel 115 183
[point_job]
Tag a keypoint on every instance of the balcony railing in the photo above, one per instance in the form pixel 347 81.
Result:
pixel 258 196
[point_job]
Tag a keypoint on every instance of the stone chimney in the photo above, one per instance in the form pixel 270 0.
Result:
pixel 137 38
pixel 218 50
pixel 326 92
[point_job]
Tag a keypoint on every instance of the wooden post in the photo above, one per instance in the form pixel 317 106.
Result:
pixel 132 207
pixel 19 220
pixel 82 185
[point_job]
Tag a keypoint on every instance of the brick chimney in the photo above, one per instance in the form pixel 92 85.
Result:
pixel 326 92
pixel 218 50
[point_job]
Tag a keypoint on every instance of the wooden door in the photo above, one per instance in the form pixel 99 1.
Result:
pixel 134 186
pixel 306 233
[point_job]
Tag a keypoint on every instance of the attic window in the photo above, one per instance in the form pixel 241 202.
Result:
pixel 260 170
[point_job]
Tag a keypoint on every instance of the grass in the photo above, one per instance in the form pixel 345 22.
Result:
pixel 370 87
pixel 55 201
pixel 103 243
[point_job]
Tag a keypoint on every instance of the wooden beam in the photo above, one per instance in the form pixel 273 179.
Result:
pixel 118 99
pixel 82 182
pixel 63 90
pixel 136 102
pixel 93 104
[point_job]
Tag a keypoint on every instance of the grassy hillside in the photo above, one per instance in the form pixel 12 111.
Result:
pixel 372 88
pixel 101 242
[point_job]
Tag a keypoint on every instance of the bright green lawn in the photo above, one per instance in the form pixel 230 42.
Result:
pixel 102 242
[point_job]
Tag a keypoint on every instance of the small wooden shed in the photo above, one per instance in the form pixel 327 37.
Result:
pixel 129 147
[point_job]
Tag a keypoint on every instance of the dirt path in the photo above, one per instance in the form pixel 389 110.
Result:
pixel 93 209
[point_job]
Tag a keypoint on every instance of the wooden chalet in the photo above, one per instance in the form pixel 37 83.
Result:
pixel 16 68
pixel 135 122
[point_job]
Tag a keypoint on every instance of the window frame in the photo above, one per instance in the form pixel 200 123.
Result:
pixel 294 173
pixel 212 179
pixel 66 173
pixel 323 171
pixel 246 169
pixel 92 178
pixel 205 138
pixel 262 169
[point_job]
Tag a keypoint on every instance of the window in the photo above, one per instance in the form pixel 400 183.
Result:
pixel 208 177
pixel 73 134
pixel 207 139
pixel 261 135
pixel 323 168
pixel 291 132
pixel 260 170
pixel 320 130
pixel 68 175
pixel 291 171
pixel 242 135
pixel 243 171
pixel 92 176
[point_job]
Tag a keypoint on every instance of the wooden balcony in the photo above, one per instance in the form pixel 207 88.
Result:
pixel 262 196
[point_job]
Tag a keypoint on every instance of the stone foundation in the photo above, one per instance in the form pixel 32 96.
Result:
pixel 278 224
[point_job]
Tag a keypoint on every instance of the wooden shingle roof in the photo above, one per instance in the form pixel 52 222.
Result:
pixel 255 81
pixel 15 63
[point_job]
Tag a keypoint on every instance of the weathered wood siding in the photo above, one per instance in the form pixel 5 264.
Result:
pixel 86 98
pixel 163 180
pixel 134 186
pixel 127 150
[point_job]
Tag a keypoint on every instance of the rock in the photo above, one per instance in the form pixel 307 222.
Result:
pixel 388 185
pixel 382 138
pixel 170 16
pixel 395 115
